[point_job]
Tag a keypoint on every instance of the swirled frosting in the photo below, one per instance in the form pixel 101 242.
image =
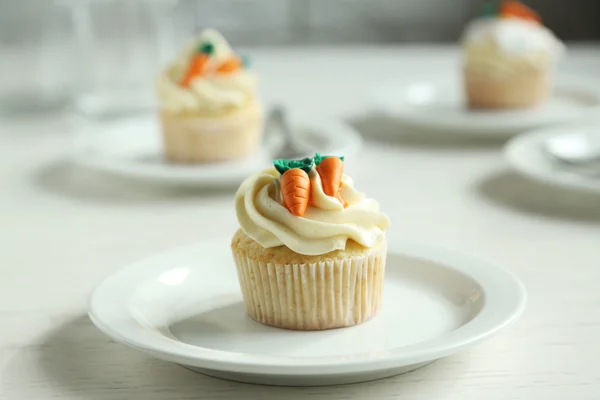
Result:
pixel 505 44
pixel 326 225
pixel 210 93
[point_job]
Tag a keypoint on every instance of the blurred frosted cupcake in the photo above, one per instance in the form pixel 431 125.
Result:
pixel 311 250
pixel 210 109
pixel 509 58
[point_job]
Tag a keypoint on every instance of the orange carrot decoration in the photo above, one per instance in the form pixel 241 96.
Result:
pixel 512 8
pixel 294 184
pixel 295 187
pixel 330 170
pixel 230 65
pixel 198 64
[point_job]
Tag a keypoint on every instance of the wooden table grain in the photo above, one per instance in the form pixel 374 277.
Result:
pixel 64 229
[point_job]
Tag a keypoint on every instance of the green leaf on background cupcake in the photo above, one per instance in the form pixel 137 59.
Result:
pixel 206 48
pixel 283 165
pixel 245 61
pixel 490 9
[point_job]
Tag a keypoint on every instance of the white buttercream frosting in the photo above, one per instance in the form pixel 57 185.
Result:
pixel 210 93
pixel 513 35
pixel 326 226
pixel 503 44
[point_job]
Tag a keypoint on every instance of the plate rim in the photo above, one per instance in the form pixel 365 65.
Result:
pixel 77 155
pixel 531 141
pixel 496 280
pixel 482 129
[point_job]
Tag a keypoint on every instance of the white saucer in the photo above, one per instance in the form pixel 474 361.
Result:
pixel 132 147
pixel 185 306
pixel 527 155
pixel 437 103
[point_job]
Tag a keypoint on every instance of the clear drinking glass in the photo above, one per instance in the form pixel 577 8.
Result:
pixel 120 47
pixel 36 57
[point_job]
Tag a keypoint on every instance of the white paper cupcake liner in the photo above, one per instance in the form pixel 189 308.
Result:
pixel 190 139
pixel 313 296
pixel 515 90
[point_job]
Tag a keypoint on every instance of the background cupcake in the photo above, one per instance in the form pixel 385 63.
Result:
pixel 311 250
pixel 210 109
pixel 509 57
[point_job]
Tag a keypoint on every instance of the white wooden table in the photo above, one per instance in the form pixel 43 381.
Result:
pixel 64 229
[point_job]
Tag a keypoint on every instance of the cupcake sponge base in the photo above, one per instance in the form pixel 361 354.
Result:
pixel 288 290
pixel 198 139
pixel 516 90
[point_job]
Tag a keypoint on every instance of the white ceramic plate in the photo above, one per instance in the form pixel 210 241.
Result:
pixel 526 153
pixel 132 147
pixel 438 103
pixel 185 306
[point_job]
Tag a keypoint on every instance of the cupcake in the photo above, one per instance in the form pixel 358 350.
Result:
pixel 509 58
pixel 310 252
pixel 209 106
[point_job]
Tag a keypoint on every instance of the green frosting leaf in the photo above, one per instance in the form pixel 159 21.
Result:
pixel 489 9
pixel 206 48
pixel 319 158
pixel 246 61
pixel 282 165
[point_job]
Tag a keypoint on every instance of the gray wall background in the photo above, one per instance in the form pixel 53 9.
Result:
pixel 43 59
pixel 273 22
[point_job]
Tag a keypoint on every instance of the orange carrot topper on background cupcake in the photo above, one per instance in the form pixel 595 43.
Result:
pixel 198 63
pixel 202 63
pixel 509 9
pixel 230 65
pixel 295 184
pixel 516 9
